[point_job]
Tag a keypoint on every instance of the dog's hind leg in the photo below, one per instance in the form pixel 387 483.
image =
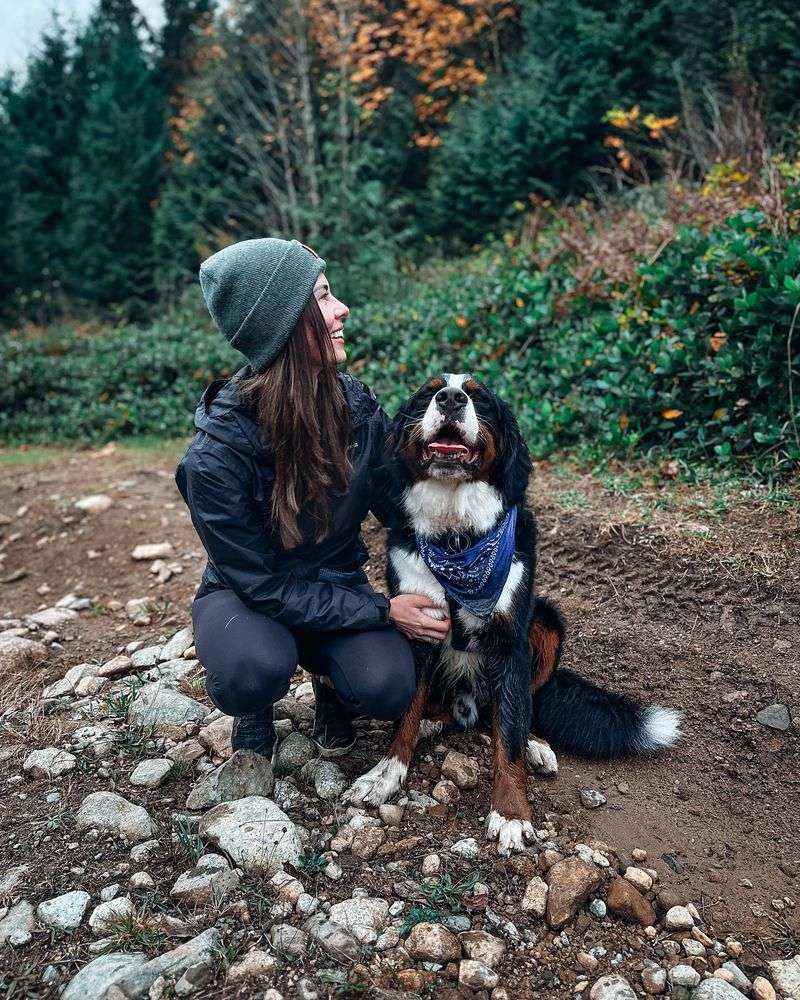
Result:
pixel 510 819
pixel 546 638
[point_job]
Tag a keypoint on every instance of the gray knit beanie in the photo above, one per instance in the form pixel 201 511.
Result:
pixel 255 291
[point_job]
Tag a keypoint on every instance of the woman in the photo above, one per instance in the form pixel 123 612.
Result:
pixel 279 477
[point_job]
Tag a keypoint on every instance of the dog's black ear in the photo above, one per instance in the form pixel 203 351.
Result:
pixel 513 467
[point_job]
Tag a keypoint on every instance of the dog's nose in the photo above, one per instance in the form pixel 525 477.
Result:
pixel 451 400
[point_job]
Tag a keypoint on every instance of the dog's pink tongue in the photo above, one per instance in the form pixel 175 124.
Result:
pixel 448 449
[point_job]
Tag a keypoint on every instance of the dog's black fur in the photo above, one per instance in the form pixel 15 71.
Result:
pixel 454 434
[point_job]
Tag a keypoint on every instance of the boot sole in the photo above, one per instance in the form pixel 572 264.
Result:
pixel 329 753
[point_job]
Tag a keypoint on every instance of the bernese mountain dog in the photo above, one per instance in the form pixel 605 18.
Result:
pixel 466 538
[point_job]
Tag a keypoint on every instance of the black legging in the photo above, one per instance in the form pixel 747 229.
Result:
pixel 249 659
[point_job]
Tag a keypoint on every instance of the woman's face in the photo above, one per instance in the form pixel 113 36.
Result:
pixel 335 313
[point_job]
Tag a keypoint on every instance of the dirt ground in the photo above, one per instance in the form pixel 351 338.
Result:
pixel 688 597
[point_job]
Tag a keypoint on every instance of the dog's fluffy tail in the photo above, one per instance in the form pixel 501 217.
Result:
pixel 580 718
pixel 576 716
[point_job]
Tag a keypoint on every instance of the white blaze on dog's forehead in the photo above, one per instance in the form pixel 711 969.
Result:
pixel 456 381
pixel 435 506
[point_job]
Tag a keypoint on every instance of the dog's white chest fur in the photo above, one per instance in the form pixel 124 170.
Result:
pixel 435 506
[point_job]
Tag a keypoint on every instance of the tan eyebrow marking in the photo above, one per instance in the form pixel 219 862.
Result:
pixel 436 383
pixel 471 385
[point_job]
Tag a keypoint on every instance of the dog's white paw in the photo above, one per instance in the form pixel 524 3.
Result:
pixel 510 834
pixel 428 728
pixel 542 758
pixel 378 785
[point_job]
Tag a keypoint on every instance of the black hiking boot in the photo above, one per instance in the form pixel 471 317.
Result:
pixel 333 731
pixel 254 732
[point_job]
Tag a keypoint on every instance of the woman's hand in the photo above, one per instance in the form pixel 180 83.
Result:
pixel 406 612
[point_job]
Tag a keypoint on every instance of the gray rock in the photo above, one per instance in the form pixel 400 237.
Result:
pixel 785 974
pixel 433 943
pixel 148 656
pixel 457 922
pixel 363 917
pixel 476 975
pixel 136 983
pixel 334 939
pixel 53 618
pixel 109 812
pixel 105 916
pixel 209 881
pixel 654 978
pixel 483 946
pixel 11 880
pixel 535 899
pixel 462 770
pixel 175 647
pixel 245 773
pixel 717 989
pixel 592 799
pixel 94 979
pixel 295 751
pixel 775 717
pixel 467 848
pixel 49 762
pixel 196 977
pixel 159 706
pixel 740 980
pixel 288 941
pixel 18 654
pixel 64 912
pixel 678 918
pixel 151 773
pixel 612 988
pixel 254 832
pixel 16 927
pixel 328 779
pixel 684 975
pixel 255 964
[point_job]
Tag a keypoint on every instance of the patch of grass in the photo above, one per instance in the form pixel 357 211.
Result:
pixel 179 769
pixel 340 987
pixel 189 844
pixel 312 863
pixel 445 891
pixel 134 741
pixel 572 499
pixel 419 915
pixel 118 704
pixel 133 933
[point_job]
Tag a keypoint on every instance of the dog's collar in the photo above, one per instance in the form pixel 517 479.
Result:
pixel 474 578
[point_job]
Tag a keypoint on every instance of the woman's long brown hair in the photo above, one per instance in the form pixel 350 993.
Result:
pixel 304 419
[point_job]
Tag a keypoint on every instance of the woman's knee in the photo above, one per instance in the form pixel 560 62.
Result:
pixel 384 692
pixel 249 683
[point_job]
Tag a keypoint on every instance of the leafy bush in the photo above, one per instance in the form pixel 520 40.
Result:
pixel 691 356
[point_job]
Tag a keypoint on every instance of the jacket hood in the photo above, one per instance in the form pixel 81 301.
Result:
pixel 222 414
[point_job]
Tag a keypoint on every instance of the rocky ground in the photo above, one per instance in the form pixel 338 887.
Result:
pixel 139 859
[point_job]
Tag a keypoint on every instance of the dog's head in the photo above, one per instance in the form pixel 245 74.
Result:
pixel 455 428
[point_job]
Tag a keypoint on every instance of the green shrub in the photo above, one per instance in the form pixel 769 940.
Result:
pixel 690 359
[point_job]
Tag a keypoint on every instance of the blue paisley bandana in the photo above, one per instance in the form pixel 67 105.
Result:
pixel 474 578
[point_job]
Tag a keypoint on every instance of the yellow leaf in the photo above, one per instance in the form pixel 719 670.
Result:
pixel 720 413
pixel 717 340
pixel 624 421
pixel 461 322
pixel 671 414
pixel 519 302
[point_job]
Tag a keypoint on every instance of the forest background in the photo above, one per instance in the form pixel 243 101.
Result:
pixel 594 206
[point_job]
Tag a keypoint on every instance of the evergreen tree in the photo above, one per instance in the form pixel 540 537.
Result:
pixel 41 117
pixel 118 162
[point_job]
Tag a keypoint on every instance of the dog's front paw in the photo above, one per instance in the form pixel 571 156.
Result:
pixel 541 757
pixel 510 834
pixel 377 785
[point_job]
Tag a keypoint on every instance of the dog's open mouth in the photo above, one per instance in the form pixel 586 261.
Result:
pixel 448 447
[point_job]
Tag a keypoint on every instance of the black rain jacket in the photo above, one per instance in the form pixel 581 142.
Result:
pixel 225 478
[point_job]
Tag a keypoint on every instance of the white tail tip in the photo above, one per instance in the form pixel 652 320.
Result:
pixel 661 728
